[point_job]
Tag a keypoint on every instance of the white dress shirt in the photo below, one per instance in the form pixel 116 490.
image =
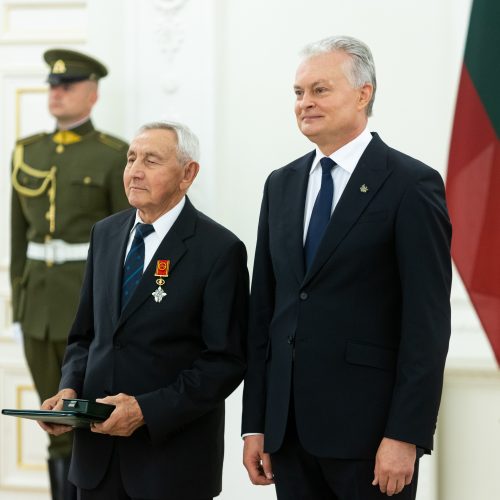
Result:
pixel 162 226
pixel 346 158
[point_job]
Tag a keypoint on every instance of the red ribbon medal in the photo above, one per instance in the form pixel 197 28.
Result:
pixel 162 269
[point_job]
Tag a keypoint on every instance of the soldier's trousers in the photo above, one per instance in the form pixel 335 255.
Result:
pixel 44 359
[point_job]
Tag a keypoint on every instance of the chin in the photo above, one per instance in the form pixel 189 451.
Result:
pixel 133 201
pixel 309 132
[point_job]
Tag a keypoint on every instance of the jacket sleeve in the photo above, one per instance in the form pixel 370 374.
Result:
pixel 261 313
pixel 423 237
pixel 221 365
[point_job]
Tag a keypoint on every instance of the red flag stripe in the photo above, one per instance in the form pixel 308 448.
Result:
pixel 473 187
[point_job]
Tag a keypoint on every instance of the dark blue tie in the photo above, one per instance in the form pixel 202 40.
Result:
pixel 322 210
pixel 134 263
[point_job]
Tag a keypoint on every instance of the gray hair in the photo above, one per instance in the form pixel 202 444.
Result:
pixel 188 145
pixel 362 67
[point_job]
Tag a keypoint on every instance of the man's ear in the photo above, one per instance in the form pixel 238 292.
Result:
pixel 93 92
pixel 191 170
pixel 365 95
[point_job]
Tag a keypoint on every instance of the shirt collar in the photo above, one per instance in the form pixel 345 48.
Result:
pixel 75 125
pixel 347 156
pixel 163 224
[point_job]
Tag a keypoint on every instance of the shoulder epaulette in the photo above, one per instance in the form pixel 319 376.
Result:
pixel 112 142
pixel 30 139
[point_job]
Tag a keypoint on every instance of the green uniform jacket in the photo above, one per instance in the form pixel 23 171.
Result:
pixel 88 177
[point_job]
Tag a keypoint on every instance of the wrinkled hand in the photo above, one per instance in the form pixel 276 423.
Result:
pixel 56 403
pixel 394 465
pixel 256 462
pixel 125 419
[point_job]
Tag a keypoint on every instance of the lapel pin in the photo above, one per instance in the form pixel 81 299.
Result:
pixel 162 269
pixel 364 188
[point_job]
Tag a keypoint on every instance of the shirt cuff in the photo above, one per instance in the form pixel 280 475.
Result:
pixel 251 434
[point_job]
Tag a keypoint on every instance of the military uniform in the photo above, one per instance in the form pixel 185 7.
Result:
pixel 63 182
pixel 69 187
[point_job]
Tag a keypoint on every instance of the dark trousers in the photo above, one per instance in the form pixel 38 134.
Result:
pixel 44 359
pixel 299 475
pixel 111 487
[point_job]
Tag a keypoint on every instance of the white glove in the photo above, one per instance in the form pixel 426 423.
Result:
pixel 17 332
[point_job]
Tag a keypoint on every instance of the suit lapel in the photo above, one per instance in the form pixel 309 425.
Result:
pixel 116 246
pixel 171 248
pixel 295 189
pixel 370 172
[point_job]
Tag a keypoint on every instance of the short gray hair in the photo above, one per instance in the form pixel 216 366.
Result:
pixel 362 67
pixel 188 145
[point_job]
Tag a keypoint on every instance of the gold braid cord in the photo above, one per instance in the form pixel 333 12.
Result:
pixel 48 183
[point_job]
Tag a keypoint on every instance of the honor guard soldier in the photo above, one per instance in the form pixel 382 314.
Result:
pixel 63 182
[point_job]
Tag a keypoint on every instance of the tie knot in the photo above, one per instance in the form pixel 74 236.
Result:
pixel 327 165
pixel 142 230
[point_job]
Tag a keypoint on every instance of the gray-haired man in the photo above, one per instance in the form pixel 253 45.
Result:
pixel 349 311
pixel 159 333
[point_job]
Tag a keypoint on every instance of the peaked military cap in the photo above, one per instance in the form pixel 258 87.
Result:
pixel 68 66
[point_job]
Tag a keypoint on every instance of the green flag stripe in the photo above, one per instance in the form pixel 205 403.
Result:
pixel 482 56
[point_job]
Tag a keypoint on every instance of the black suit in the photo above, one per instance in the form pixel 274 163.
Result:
pixel 364 333
pixel 180 358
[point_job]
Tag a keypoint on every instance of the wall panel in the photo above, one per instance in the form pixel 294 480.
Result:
pixel 41 22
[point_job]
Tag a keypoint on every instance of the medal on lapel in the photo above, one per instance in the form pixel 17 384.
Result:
pixel 162 268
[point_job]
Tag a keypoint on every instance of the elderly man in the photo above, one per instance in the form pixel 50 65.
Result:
pixel 63 183
pixel 159 333
pixel 350 310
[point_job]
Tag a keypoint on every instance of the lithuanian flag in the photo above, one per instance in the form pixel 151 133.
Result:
pixel 473 181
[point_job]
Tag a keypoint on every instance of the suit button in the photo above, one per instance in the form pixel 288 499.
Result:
pixel 303 296
pixel 117 346
pixel 291 340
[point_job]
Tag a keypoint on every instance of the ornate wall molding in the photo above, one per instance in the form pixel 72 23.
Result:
pixel 42 21
pixel 170 33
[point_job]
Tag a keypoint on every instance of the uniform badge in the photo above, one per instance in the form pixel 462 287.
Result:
pixel 162 269
pixel 364 188
pixel 59 67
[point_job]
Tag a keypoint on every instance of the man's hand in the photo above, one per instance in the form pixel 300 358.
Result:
pixel 256 462
pixel 394 465
pixel 125 419
pixel 56 403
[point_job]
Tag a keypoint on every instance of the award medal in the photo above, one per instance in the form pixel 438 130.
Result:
pixel 162 268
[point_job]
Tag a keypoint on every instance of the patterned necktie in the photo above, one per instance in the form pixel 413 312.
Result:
pixel 134 263
pixel 322 210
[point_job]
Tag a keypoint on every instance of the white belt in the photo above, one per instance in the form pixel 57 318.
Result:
pixel 57 251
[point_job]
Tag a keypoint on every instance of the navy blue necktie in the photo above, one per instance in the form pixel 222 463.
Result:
pixel 322 210
pixel 134 263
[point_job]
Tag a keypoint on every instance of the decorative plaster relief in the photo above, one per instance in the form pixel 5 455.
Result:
pixel 170 34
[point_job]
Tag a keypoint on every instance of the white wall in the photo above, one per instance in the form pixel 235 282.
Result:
pixel 417 49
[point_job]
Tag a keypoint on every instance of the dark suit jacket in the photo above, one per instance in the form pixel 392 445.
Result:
pixel 180 358
pixel 367 326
